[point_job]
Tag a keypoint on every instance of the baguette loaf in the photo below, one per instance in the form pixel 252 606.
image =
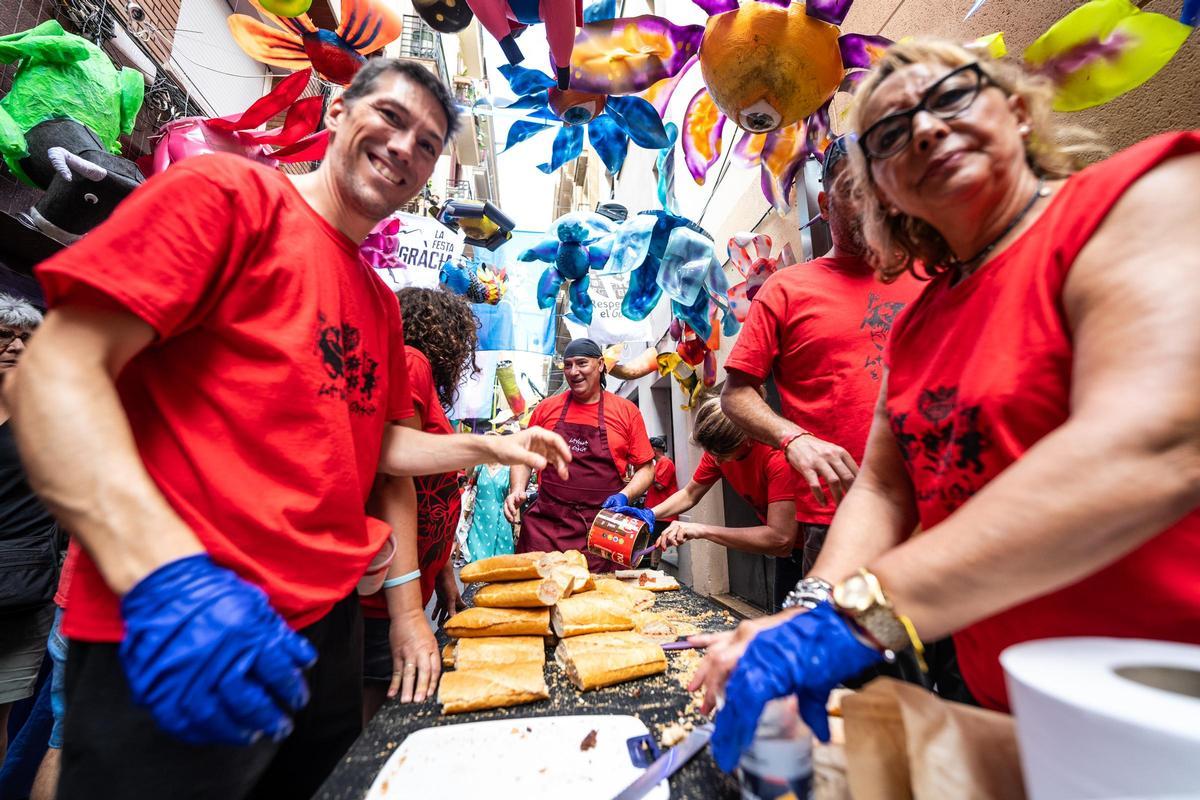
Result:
pixel 536 593
pixel 517 567
pixel 476 622
pixel 591 613
pixel 603 659
pixel 493 651
pixel 491 687
pixel 637 599
pixel 448 656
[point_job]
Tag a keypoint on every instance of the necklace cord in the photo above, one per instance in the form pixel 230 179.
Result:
pixel 990 246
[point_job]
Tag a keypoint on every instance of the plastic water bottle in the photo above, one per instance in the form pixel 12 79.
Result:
pixel 778 764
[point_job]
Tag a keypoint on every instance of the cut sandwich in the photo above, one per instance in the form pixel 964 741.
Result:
pixel 491 687
pixel 475 622
pixel 536 593
pixel 513 567
pixel 494 651
pixel 658 629
pixel 653 580
pixel 603 659
pixel 591 613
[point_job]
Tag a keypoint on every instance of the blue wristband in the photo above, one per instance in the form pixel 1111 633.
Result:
pixel 407 577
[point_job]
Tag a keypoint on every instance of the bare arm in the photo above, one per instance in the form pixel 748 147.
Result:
pixel 878 512
pixel 85 466
pixel 683 500
pixel 518 479
pixel 1130 449
pixel 776 538
pixel 413 452
pixel 742 403
pixel 640 481
pixel 815 460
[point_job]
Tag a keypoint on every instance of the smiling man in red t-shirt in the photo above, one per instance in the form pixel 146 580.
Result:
pixel 206 408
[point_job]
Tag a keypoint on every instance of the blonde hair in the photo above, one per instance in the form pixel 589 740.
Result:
pixel 714 431
pixel 898 243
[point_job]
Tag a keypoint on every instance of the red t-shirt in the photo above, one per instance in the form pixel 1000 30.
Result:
pixel 625 429
pixel 664 476
pixel 820 329
pixel 260 407
pixel 961 418
pixel 762 476
pixel 439 501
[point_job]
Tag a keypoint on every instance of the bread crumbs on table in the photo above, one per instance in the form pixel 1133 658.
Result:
pixel 589 741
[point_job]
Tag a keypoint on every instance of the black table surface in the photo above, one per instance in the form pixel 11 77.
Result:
pixel 657 700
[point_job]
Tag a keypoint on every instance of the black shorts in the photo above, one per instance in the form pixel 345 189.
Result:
pixel 113 748
pixel 377 650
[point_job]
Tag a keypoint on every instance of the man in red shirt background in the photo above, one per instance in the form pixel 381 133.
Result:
pixel 206 409
pixel 663 486
pixel 819 328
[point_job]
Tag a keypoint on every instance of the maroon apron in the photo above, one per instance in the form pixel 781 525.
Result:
pixel 562 515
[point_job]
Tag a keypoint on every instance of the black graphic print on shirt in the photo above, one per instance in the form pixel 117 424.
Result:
pixel 353 375
pixel 439 503
pixel 878 321
pixel 944 446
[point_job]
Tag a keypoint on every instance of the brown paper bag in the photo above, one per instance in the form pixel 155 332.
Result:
pixel 905 743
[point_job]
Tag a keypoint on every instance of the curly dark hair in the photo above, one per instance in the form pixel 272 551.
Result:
pixel 441 326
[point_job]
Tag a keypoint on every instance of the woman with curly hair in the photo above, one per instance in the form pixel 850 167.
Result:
pixel 440 338
pixel 1039 414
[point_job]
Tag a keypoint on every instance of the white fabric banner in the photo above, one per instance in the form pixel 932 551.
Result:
pixel 424 245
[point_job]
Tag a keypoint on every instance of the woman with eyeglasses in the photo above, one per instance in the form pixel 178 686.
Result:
pixel 1040 417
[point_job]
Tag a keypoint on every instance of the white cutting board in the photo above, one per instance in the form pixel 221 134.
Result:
pixel 517 759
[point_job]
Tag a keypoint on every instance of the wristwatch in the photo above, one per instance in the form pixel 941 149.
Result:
pixel 861 600
pixel 809 593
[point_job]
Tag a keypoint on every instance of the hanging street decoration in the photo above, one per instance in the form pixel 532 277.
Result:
pixel 296 43
pixel 296 140
pixel 750 254
pixel 505 19
pixel 575 244
pixel 483 224
pixel 611 122
pixel 59 124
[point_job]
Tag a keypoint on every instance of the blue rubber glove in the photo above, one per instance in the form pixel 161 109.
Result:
pixel 644 514
pixel 807 656
pixel 208 656
pixel 615 501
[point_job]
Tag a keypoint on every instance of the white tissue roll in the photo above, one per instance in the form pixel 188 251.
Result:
pixel 1106 718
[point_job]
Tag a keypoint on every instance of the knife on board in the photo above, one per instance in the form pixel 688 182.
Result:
pixel 668 763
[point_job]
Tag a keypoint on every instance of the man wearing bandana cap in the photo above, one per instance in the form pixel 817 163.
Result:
pixel 605 433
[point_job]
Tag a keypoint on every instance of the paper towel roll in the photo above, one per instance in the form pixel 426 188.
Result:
pixel 1106 718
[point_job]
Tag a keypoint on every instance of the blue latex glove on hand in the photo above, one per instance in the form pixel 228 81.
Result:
pixel 644 514
pixel 807 656
pixel 208 656
pixel 615 501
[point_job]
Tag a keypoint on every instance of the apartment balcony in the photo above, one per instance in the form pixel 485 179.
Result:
pixel 421 43
pixel 460 190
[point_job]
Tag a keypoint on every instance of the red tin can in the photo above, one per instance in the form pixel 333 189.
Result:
pixel 617 537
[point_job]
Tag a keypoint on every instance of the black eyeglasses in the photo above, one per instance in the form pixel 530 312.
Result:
pixel 6 337
pixel 946 99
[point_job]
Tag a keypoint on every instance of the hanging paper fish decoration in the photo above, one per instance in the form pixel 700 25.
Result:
pixel 296 43
pixel 610 121
pixel 296 140
pixel 575 244
pixel 478 282
pixel 771 67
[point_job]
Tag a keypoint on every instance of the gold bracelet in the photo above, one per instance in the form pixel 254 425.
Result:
pixel 917 645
